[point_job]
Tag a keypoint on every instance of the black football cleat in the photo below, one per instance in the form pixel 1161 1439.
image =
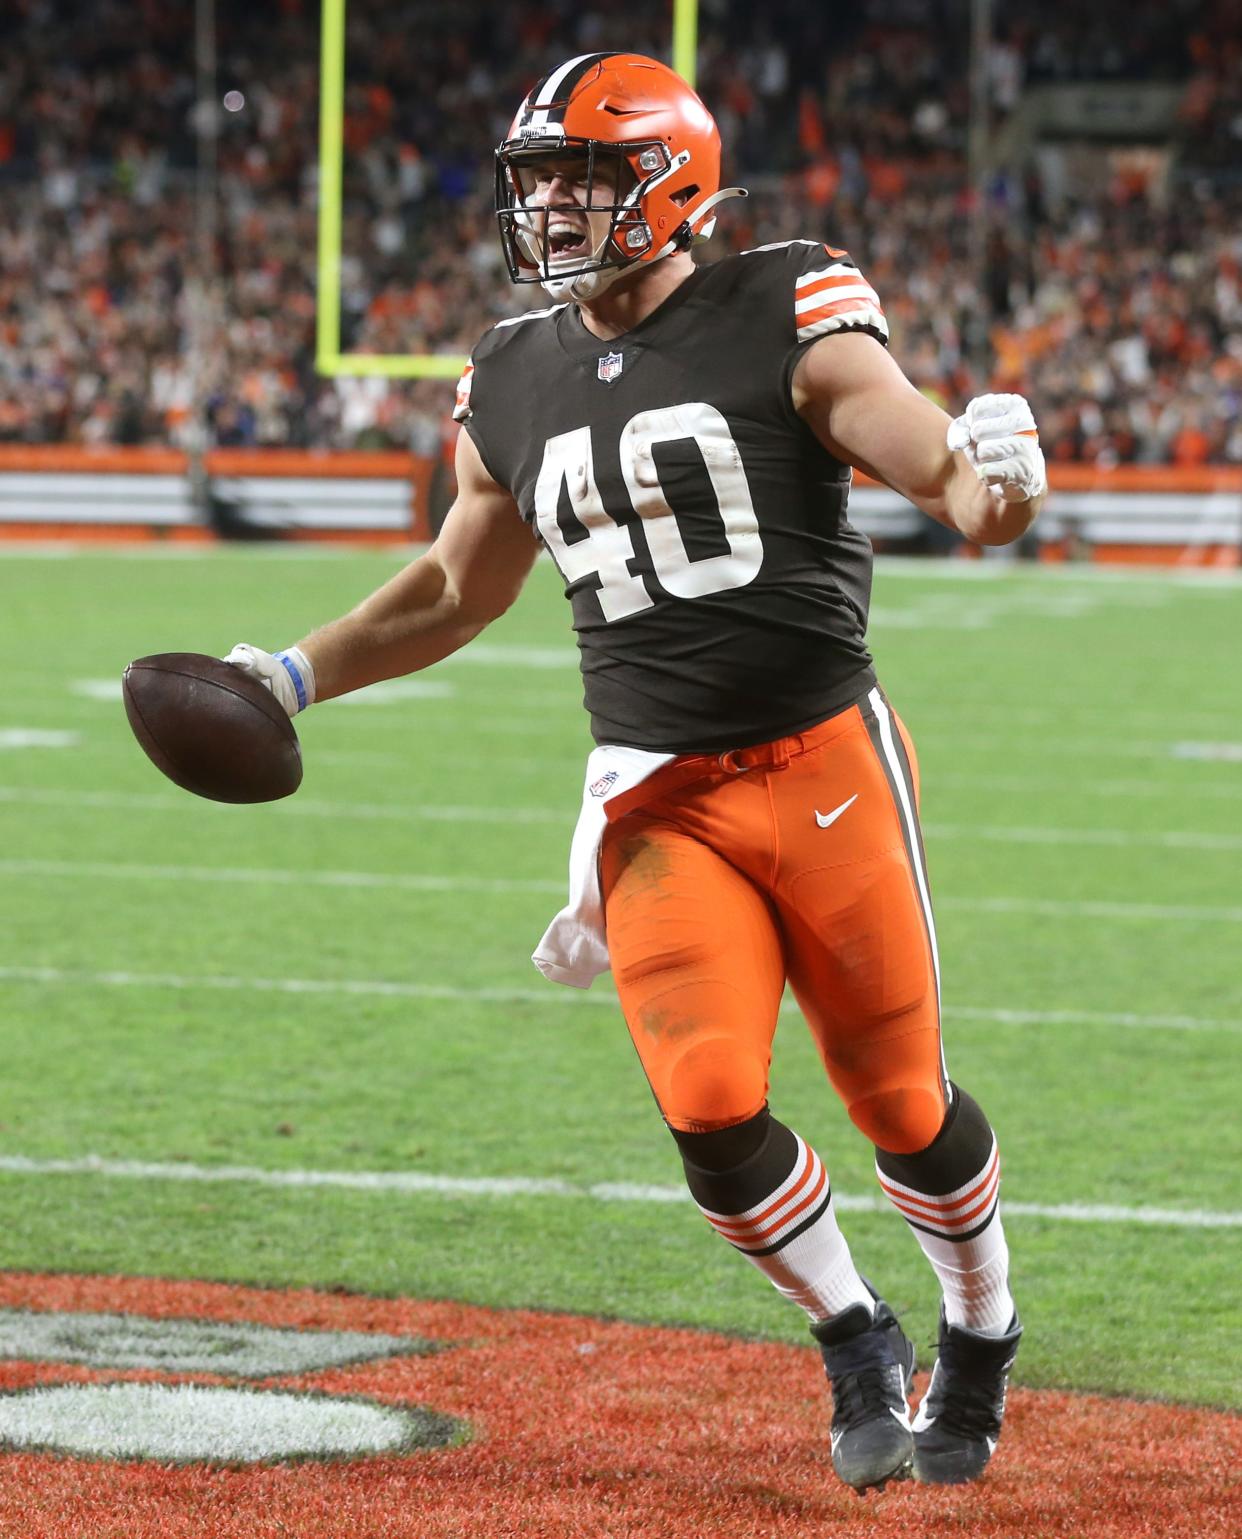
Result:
pixel 959 1421
pixel 869 1362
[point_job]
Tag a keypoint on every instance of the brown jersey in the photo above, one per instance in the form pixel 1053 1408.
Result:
pixel 719 592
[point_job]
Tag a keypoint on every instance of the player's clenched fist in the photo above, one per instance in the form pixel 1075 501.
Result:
pixel 997 434
pixel 287 674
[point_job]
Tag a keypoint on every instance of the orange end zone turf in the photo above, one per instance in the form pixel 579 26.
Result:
pixel 584 1429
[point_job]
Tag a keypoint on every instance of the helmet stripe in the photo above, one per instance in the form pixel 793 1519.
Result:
pixel 546 91
pixel 559 87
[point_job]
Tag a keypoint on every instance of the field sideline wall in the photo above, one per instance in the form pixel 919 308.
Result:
pixel 148 493
pixel 1138 513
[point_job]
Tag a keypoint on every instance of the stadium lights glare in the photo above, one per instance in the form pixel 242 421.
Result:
pixel 328 356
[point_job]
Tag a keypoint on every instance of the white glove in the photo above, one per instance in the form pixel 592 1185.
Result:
pixel 997 434
pixel 287 674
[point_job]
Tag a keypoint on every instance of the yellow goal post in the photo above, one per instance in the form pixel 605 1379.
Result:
pixel 329 359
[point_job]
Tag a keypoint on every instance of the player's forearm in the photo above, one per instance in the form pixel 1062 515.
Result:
pixel 979 513
pixel 411 622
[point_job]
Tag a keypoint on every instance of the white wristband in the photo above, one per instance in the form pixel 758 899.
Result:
pixel 301 674
pixel 288 675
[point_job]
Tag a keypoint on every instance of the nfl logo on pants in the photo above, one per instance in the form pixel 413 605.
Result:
pixel 610 366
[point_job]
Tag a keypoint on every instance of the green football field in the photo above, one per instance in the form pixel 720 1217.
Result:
pixel 304 1043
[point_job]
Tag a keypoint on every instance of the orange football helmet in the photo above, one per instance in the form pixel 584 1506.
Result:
pixel 647 143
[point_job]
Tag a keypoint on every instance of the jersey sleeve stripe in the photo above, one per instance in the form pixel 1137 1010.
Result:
pixel 461 408
pixel 837 270
pixel 780 245
pixel 841 290
pixel 837 306
pixel 839 274
pixel 846 316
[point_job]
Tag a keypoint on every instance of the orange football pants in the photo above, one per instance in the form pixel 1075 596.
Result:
pixel 726 875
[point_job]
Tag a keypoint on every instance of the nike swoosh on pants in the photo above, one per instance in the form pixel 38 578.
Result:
pixel 826 819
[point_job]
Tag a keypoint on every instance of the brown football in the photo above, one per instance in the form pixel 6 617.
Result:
pixel 212 728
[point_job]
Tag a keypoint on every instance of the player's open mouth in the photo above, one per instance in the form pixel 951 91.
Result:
pixel 566 240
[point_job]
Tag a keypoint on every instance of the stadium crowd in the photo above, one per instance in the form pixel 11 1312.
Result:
pixel 1119 313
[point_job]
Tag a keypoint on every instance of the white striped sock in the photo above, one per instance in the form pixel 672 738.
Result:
pixel 973 1272
pixel 806 1262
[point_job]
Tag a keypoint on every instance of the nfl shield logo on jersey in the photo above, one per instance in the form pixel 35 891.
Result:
pixel 605 783
pixel 610 365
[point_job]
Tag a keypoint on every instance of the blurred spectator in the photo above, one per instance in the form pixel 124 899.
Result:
pixel 1120 316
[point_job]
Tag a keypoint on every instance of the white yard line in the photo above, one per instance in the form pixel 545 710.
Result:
pixel 1128 1019
pixel 1055 573
pixel 1039 785
pixel 107 870
pixel 414 811
pixel 1039 746
pixel 24 738
pixel 1117 838
pixel 418 1183
pixel 306 807
pixel 276 876
pixel 1068 714
pixel 365 987
pixel 50 685
pixel 403 989
pixel 1093 909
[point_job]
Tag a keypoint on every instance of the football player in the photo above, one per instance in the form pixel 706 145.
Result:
pixel 680 438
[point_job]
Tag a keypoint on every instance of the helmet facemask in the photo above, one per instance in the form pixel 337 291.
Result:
pixel 609 180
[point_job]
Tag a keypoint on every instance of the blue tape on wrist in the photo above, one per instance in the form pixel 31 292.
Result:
pixel 292 670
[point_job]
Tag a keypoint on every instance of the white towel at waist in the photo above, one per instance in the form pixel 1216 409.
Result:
pixel 574 949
